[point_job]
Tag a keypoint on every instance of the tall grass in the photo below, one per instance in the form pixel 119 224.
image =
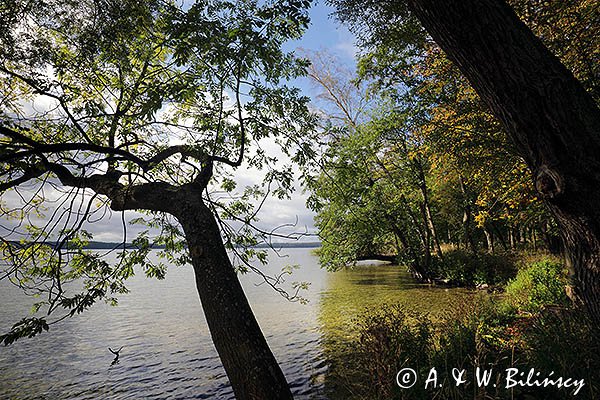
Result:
pixel 519 331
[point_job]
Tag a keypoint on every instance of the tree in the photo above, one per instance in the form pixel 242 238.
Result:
pixel 551 119
pixel 146 106
pixel 359 211
pixel 371 194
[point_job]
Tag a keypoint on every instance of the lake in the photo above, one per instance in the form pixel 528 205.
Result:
pixel 168 353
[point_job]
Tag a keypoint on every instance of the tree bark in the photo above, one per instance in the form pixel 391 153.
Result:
pixel 249 363
pixel 489 238
pixel 546 112
pixel 427 209
pixel 418 271
pixel 511 237
pixel 244 352
pixel 426 239
pixel 467 218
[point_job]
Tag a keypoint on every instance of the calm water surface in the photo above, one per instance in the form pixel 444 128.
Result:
pixel 168 353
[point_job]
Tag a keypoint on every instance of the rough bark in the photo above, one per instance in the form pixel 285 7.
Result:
pixel 553 242
pixel 546 112
pixel 244 352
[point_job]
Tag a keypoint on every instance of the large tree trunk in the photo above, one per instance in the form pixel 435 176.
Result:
pixel 246 357
pixel 547 113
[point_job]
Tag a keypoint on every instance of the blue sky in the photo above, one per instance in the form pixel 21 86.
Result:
pixel 325 33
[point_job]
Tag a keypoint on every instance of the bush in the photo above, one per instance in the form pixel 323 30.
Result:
pixel 567 342
pixel 393 338
pixel 480 332
pixel 476 334
pixel 390 339
pixel 467 269
pixel 540 284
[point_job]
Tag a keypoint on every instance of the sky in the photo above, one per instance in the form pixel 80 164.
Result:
pixel 324 33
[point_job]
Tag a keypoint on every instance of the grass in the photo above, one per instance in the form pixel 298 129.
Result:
pixel 531 326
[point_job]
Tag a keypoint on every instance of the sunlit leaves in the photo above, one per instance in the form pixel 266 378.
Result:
pixel 132 93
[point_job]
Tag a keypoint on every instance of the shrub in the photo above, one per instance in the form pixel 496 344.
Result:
pixel 475 334
pixel 467 269
pixel 393 338
pixel 390 339
pixel 541 283
pixel 481 332
pixel 567 342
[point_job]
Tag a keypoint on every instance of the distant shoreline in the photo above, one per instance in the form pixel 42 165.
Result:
pixel 110 245
pixel 93 245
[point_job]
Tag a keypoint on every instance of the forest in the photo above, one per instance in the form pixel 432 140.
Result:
pixel 419 168
pixel 463 148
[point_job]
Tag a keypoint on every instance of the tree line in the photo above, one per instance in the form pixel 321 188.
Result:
pixel 426 162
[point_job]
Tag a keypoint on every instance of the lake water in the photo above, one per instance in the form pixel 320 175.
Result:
pixel 168 353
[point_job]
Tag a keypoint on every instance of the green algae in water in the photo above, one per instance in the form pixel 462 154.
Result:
pixel 354 291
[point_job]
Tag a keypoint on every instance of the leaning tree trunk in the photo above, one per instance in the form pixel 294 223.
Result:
pixel 416 269
pixel 554 123
pixel 246 357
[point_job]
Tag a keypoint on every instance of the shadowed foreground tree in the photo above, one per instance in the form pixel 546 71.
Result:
pixel 128 105
pixel 552 120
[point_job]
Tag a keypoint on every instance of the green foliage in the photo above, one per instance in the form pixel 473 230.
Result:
pixel 27 327
pixel 478 188
pixel 367 195
pixel 537 285
pixel 567 342
pixel 476 334
pixel 390 339
pixel 99 99
pixel 463 268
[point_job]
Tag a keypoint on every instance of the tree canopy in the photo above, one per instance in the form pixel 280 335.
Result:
pixel 477 187
pixel 110 106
